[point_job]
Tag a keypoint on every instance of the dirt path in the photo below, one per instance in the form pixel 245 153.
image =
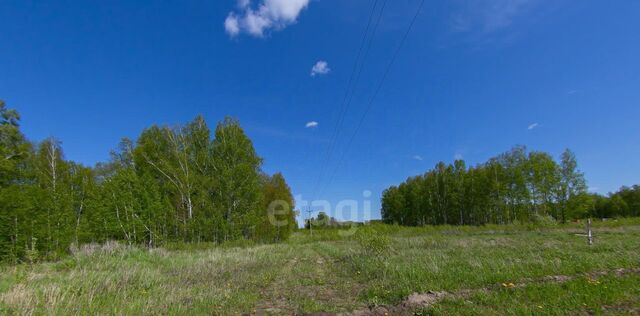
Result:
pixel 274 301
pixel 310 277
pixel 418 301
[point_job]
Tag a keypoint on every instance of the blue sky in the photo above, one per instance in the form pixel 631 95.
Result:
pixel 473 79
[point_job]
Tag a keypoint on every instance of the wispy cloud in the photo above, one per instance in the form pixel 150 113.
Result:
pixel 532 126
pixel 572 92
pixel 268 15
pixel 312 124
pixel 489 15
pixel 320 68
pixel 288 135
pixel 458 156
pixel 417 157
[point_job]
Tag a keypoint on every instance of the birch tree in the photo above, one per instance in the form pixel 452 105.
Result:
pixel 237 174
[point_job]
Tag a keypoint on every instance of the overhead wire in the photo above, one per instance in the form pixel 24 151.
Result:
pixel 376 92
pixel 351 87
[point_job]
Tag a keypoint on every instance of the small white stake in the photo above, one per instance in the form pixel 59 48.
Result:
pixel 589 235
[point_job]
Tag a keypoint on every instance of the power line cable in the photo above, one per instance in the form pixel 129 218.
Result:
pixel 341 110
pixel 351 86
pixel 377 91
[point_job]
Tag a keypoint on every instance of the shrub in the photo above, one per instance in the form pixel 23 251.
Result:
pixel 543 220
pixel 372 242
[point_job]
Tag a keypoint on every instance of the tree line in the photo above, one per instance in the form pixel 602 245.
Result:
pixel 624 203
pixel 323 220
pixel 516 186
pixel 171 184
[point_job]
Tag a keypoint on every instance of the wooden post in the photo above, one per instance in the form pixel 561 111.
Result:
pixel 309 221
pixel 589 235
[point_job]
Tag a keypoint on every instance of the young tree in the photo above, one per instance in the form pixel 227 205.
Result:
pixel 180 159
pixel 16 196
pixel 392 206
pixel 460 172
pixel 542 180
pixel 14 149
pixel 572 183
pixel 277 219
pixel 81 190
pixel 236 171
pixel 631 196
pixel 53 179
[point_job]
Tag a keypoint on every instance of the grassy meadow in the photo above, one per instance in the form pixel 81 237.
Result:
pixel 511 270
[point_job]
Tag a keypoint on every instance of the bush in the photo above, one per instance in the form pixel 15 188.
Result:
pixel 372 242
pixel 543 220
pixel 369 257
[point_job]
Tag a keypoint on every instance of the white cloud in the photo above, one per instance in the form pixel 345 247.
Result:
pixel 311 124
pixel 458 157
pixel 572 92
pixel 320 68
pixel 269 14
pixel 231 25
pixel 244 3
pixel 418 157
pixel 532 126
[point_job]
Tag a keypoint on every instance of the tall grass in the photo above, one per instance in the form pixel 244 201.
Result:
pixel 329 271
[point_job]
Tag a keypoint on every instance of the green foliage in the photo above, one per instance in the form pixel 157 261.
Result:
pixel 237 175
pixel 279 218
pixel 31 253
pixel 174 184
pixel 372 242
pixel 514 186
pixel 540 220
pixel 370 257
pixel 572 188
pixel 322 220
pixel 624 203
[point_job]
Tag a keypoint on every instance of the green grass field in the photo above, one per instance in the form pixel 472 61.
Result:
pixel 468 270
